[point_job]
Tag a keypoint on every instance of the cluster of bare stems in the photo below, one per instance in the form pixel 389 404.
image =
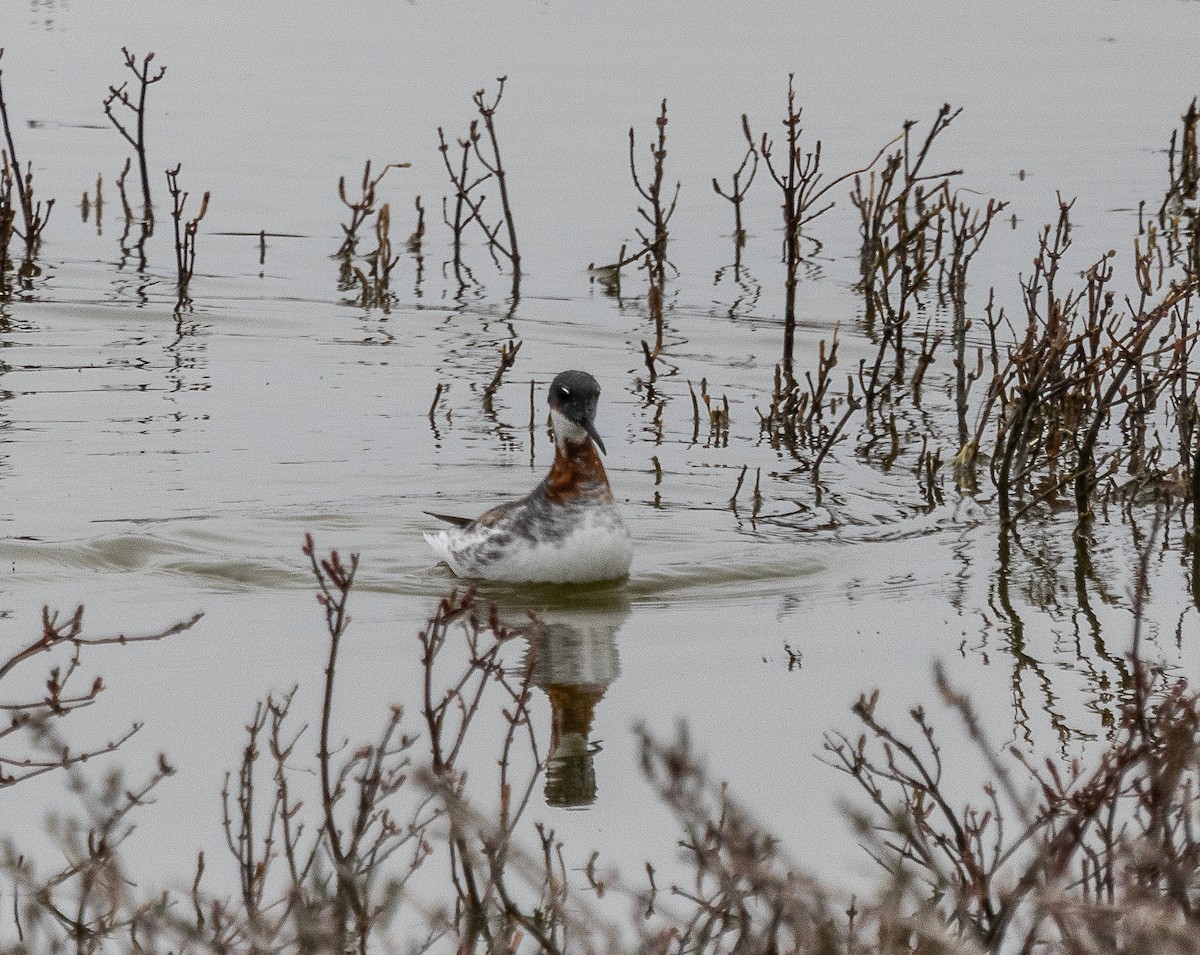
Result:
pixel 716 412
pixel 903 212
pixel 22 214
pixel 756 499
pixel 63 640
pixel 1094 397
pixel 373 278
pixel 1056 856
pixel 810 421
pixel 89 205
pixel 1092 400
pixel 469 195
pixel 805 190
pixel 323 848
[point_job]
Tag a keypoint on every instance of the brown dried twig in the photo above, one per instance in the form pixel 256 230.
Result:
pixel 136 138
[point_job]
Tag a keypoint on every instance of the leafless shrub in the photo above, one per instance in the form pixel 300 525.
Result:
pixel 1082 404
pixel 967 229
pixel 85 901
pixel 495 167
pixel 1079 859
pixel 1062 394
pixel 745 895
pixel 658 216
pixel 137 137
pixel 63 696
pixel 469 197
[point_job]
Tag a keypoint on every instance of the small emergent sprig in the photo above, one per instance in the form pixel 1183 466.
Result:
pixel 185 233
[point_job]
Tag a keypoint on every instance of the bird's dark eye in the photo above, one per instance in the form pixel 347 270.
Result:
pixel 564 392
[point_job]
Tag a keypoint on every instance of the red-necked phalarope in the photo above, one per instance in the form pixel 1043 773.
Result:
pixel 568 529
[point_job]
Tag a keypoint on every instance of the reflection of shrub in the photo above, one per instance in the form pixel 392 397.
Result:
pixel 1056 857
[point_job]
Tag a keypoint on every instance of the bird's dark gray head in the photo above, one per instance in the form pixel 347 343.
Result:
pixel 574 395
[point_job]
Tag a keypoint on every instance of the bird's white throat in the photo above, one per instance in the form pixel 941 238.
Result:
pixel 566 430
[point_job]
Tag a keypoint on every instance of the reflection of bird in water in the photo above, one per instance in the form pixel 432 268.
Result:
pixel 575 662
pixel 567 530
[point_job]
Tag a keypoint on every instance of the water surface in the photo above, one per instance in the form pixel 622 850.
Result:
pixel 155 463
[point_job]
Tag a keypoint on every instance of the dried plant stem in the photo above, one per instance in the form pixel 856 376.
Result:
pixel 185 233
pixel 136 138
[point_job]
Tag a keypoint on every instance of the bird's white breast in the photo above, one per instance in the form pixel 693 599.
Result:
pixel 591 544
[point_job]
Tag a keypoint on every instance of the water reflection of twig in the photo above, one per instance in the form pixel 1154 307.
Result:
pixel 1001 601
pixel 467 285
pixel 1085 573
pixel 532 424
pixel 749 288
pixel 184 351
pixel 449 415
pixel 416 249
pixel 133 255
pixel 658 401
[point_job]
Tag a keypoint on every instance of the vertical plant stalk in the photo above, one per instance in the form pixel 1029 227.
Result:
pixel 902 225
pixel 185 234
pixel 508 357
pixel 653 253
pixel 8 217
pixel 968 229
pixel 654 246
pixel 466 207
pixel 737 193
pixel 334 581
pixel 137 138
pixel 495 166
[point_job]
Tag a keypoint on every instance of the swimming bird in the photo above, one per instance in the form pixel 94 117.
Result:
pixel 567 530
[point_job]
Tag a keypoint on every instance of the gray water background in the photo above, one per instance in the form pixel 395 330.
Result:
pixel 151 467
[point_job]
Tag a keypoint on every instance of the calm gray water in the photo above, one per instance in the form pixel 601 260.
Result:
pixel 152 466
